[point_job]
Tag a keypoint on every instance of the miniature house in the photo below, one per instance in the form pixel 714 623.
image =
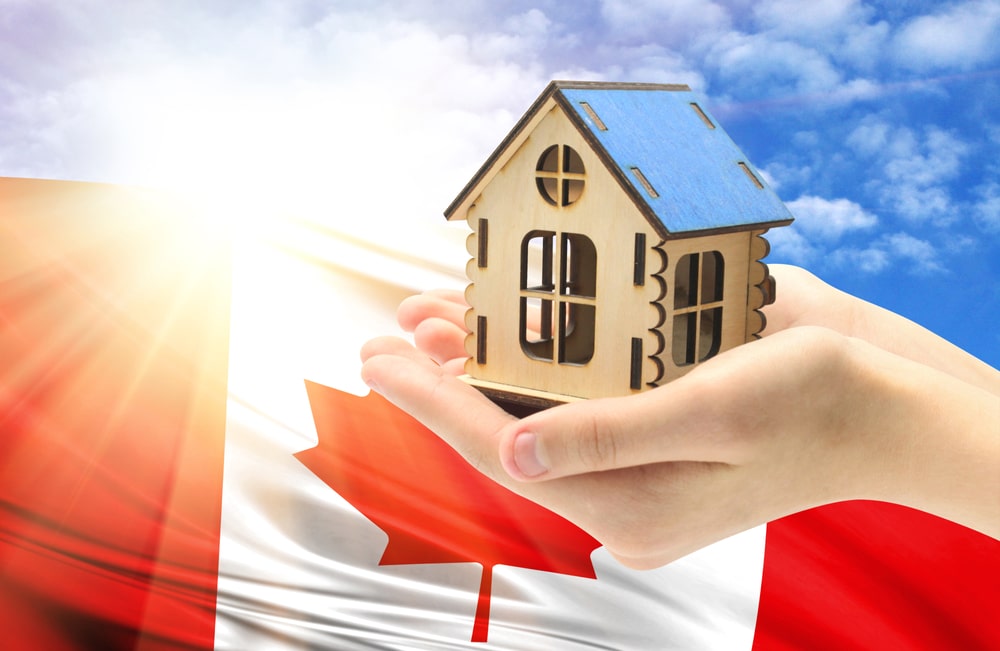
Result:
pixel 616 243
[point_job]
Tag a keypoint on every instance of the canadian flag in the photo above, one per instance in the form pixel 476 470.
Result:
pixel 189 460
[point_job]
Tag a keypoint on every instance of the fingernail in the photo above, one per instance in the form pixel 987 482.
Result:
pixel 526 456
pixel 372 384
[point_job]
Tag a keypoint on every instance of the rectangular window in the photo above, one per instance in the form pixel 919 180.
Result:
pixel 698 285
pixel 558 325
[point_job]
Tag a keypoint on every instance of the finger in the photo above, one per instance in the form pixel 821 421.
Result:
pixel 441 339
pixel 533 323
pixel 677 422
pixel 441 304
pixel 455 411
pixel 394 346
pixel 795 298
pixel 453 295
pixel 455 366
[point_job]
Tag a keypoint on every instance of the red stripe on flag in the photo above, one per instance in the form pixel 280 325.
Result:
pixel 870 575
pixel 114 322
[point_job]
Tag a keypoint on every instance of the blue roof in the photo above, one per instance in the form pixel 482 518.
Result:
pixel 697 172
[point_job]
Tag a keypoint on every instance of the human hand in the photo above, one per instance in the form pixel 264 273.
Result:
pixel 806 416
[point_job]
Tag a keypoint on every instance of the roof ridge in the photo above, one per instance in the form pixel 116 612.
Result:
pixel 614 85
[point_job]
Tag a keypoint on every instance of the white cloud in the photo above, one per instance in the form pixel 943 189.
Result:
pixel 912 171
pixel 806 139
pixel 993 133
pixel 791 53
pixel 962 36
pixel 658 66
pixel 863 45
pixel 770 180
pixel 838 28
pixel 920 204
pixel 819 224
pixel 986 210
pixel 747 61
pixel 791 69
pixel 827 219
pixel 919 255
pixel 781 175
pixel 871 260
pixel 789 17
pixel 788 244
pixel 869 137
pixel 533 22
pixel 854 90
pixel 673 23
pixel 919 252
pixel 916 174
pixel 940 160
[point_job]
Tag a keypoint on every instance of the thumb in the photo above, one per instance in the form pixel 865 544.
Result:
pixel 665 424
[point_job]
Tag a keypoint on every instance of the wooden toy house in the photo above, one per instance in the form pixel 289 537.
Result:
pixel 616 243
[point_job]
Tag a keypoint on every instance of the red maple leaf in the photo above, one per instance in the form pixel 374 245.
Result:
pixel 433 505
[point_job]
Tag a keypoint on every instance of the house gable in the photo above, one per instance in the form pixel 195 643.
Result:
pixel 510 214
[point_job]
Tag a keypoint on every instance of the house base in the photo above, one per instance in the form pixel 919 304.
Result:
pixel 518 401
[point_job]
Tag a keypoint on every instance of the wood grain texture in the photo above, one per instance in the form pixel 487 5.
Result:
pixel 760 285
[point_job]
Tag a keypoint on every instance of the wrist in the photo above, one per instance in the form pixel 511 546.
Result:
pixel 938 442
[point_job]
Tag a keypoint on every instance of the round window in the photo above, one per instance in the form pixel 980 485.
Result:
pixel 559 175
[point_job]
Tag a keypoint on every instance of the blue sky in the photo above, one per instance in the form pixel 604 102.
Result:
pixel 876 122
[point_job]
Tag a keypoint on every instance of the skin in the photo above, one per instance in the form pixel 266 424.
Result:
pixel 839 400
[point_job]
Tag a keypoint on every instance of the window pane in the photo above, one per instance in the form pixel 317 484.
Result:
pixel 711 333
pixel 576 339
pixel 686 281
pixel 536 261
pixel 549 160
pixel 685 336
pixel 712 275
pixel 571 190
pixel 572 161
pixel 578 266
pixel 536 328
pixel 548 188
